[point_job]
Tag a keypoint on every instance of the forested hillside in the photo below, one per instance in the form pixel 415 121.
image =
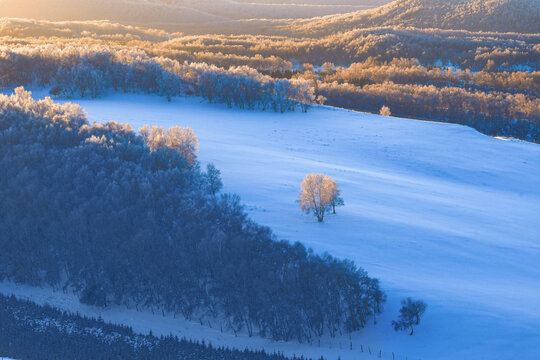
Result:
pixel 519 16
pixel 91 208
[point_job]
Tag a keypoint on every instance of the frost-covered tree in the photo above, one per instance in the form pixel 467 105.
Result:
pixel 213 179
pixel 409 315
pixel 182 140
pixel 155 136
pixel 328 68
pixel 385 111
pixel 317 193
pixel 321 99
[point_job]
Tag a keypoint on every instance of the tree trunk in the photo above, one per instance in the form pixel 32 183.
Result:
pixel 412 331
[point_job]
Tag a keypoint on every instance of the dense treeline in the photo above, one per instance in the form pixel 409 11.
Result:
pixel 30 331
pixel 126 219
pixel 463 49
pixel 410 71
pixel 496 114
pixel 495 103
pixel 90 71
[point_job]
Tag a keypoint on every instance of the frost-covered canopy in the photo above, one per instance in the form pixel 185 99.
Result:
pixel 132 219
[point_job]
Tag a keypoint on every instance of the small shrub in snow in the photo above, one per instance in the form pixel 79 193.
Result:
pixel 385 111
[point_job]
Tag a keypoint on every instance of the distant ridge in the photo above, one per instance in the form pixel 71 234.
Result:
pixel 521 16
pixel 193 16
pixel 289 18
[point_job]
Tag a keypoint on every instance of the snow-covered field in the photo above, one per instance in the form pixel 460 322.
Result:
pixel 435 211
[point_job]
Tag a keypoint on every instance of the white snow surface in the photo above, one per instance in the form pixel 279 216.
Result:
pixel 435 211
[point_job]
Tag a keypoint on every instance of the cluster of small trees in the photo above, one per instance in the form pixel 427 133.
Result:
pixel 129 219
pixel 30 331
pixel 319 194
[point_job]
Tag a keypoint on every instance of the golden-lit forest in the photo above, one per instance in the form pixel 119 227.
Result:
pixel 487 80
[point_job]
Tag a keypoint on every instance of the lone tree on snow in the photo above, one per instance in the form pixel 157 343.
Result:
pixel 409 315
pixel 318 194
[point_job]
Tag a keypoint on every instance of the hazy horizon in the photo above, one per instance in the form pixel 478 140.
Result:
pixel 179 15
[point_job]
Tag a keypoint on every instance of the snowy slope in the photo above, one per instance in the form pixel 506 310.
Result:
pixel 435 211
